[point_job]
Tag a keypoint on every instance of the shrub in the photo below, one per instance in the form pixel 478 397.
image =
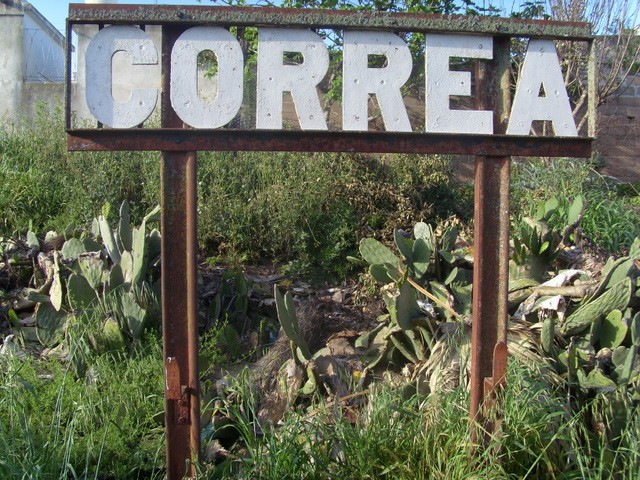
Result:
pixel 49 188
pixel 307 210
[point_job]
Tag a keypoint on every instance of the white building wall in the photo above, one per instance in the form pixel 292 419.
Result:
pixel 10 60
pixel 31 63
pixel 43 55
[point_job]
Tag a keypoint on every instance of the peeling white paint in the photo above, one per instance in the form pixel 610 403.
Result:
pixel 541 72
pixel 540 93
pixel 99 81
pixel 359 80
pixel 275 78
pixel 442 83
pixel 185 99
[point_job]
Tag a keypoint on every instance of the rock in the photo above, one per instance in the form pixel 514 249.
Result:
pixel 290 379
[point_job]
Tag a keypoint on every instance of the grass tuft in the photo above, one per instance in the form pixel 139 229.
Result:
pixel 395 437
pixel 54 426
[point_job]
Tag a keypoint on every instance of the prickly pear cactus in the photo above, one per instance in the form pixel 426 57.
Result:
pixel 109 239
pixel 375 253
pixel 402 305
pixel 124 233
pixel 613 330
pixel 80 293
pixel 50 324
pixel 134 314
pixel 603 334
pixel 289 321
pixel 616 298
pixel 139 254
pixel 83 280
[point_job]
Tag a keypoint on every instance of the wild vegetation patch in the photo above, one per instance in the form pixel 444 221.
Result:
pixel 365 380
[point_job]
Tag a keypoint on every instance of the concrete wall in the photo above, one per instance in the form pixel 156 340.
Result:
pixel 35 95
pixel 31 64
pixel 11 25
pixel 618 138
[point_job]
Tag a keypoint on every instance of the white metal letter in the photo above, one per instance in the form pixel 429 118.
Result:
pixel 359 81
pixel 99 76
pixel 184 77
pixel 541 72
pixel 275 78
pixel 441 83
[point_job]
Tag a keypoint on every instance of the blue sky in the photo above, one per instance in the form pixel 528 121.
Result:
pixel 56 11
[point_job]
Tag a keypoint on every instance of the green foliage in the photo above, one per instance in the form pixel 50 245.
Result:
pixel 49 188
pixel 594 344
pixel 431 269
pixel 311 209
pixel 610 220
pixel 305 210
pixel 609 216
pixel 404 435
pixel 536 245
pixel 101 305
pixel 33 190
pixel 532 9
pixel 289 321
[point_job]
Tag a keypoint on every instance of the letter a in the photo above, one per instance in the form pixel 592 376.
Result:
pixel 541 71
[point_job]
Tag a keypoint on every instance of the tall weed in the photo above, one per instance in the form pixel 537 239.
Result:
pixel 400 436
pixel 45 187
pixel 311 209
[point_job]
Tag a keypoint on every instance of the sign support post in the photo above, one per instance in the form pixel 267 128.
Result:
pixel 179 289
pixel 491 264
pixel 117 129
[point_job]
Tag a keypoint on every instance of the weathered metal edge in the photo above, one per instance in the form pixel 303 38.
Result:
pixel 270 16
pixel 368 142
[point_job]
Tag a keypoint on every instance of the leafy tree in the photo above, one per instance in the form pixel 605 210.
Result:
pixel 448 7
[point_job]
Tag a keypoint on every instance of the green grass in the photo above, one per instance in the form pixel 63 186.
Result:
pixel 306 211
pixel 311 210
pixel 394 437
pixel 610 221
pixel 611 217
pixel 108 425
pixel 45 187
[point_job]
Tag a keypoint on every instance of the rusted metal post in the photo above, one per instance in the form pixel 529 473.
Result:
pixel 491 262
pixel 179 291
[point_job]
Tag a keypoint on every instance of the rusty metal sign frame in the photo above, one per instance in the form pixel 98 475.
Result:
pixel 179 145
